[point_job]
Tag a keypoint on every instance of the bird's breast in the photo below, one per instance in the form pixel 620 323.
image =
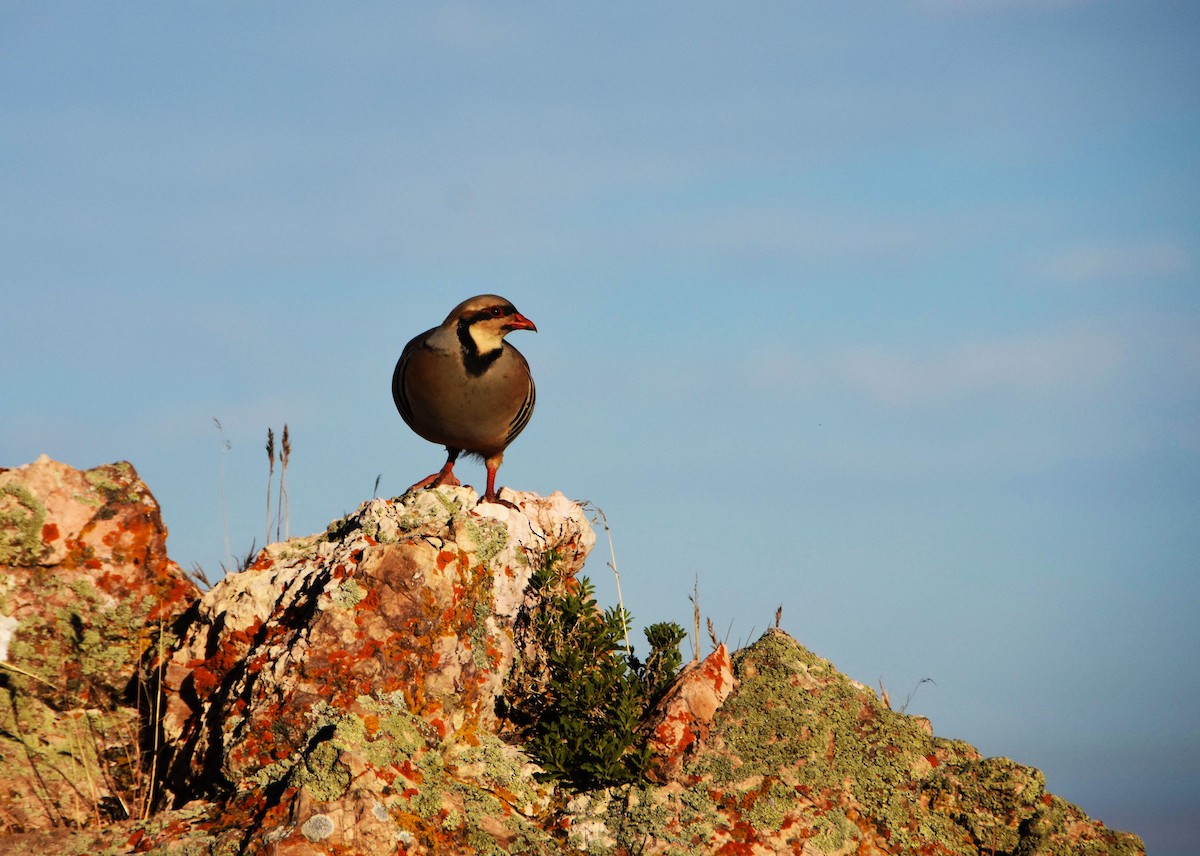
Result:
pixel 450 406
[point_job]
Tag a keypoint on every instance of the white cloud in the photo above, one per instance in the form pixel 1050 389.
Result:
pixel 983 6
pixel 825 235
pixel 470 25
pixel 1049 363
pixel 1088 263
pixel 1030 365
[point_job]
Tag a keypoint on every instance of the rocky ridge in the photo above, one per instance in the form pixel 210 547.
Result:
pixel 340 696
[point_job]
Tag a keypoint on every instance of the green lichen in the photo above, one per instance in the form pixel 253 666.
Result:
pixel 396 734
pixel 105 631
pixel 988 794
pixel 25 652
pixel 796 724
pixel 471 776
pixel 771 805
pixel 94 640
pixel 188 836
pixel 76 722
pixel 21 519
pixel 382 520
pixel 644 809
pixel 348 594
pixel 368 522
pixel 322 773
pixel 411 515
pixel 797 719
pixel 489 535
pixel 295 548
pixel 496 764
pixel 479 631
pixel 1043 834
pixel 702 819
pixel 449 503
pixel 835 831
pixel 75 761
pixel 380 732
pixel 117 482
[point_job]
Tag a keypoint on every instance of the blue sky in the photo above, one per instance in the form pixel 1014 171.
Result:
pixel 887 313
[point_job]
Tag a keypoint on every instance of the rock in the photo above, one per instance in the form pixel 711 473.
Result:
pixel 799 758
pixel 86 589
pixel 681 722
pixel 353 676
pixel 341 695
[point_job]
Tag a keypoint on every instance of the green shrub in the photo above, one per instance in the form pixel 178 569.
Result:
pixel 581 695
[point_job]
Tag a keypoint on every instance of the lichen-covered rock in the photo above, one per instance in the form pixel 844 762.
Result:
pixel 340 696
pixel 801 759
pixel 353 677
pixel 86 589
pixel 681 722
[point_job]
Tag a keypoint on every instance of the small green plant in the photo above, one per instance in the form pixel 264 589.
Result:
pixel 582 699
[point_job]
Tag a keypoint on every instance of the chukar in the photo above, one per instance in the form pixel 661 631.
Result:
pixel 462 386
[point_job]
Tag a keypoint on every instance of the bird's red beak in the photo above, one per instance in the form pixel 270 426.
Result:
pixel 520 322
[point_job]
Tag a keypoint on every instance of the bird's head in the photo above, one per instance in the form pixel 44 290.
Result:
pixel 487 319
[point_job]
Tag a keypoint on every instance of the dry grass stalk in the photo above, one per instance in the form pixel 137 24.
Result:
pixel 225 447
pixel 283 508
pixel 160 665
pixel 270 478
pixel 613 564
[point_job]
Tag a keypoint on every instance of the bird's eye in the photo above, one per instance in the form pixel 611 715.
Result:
pixel 496 311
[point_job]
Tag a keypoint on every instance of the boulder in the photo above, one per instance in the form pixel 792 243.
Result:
pixel 86 591
pixel 342 690
pixel 799 758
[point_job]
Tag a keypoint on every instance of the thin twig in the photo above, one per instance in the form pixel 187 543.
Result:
pixel 20 671
pixel 225 447
pixel 40 788
pixel 908 698
pixel 82 761
pixel 148 805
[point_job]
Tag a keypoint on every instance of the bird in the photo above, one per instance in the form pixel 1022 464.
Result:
pixel 462 386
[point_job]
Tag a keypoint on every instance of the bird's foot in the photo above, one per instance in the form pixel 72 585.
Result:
pixel 494 497
pixel 442 478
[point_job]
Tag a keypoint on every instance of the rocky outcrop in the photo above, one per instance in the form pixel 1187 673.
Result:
pixel 86 590
pixel 798 758
pixel 342 690
pixel 343 695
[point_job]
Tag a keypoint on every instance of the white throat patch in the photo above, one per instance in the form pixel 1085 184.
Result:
pixel 486 340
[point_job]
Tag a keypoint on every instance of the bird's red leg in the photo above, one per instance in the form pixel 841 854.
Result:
pixel 444 476
pixel 490 495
